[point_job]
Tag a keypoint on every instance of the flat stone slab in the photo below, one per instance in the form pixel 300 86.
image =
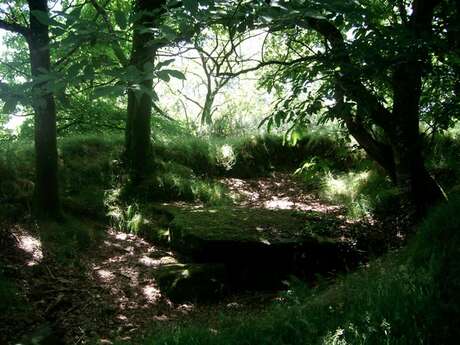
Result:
pixel 254 225
pixel 256 244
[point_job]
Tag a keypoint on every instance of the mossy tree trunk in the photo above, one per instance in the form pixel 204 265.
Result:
pixel 401 156
pixel 46 192
pixel 138 127
pixel 46 187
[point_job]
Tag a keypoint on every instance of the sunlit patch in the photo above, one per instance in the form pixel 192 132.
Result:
pixel 233 305
pixel 122 317
pixel 278 192
pixel 121 236
pixel 226 157
pixel 166 260
pixel 130 249
pixel 185 308
pixel 32 246
pixel 151 293
pixel 279 204
pixel 105 275
pixel 346 184
pixel 149 262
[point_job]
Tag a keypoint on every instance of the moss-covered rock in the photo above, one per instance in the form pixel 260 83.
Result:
pixel 268 227
pixel 259 247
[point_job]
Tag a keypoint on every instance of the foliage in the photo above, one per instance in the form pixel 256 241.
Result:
pixel 363 193
pixel 372 31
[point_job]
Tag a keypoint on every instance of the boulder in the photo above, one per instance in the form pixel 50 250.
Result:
pixel 260 248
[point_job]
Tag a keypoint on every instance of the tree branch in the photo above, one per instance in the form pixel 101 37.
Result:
pixel 191 100
pixel 269 63
pixel 349 76
pixel 15 28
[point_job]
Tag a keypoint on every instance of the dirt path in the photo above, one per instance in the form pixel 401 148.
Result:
pixel 278 191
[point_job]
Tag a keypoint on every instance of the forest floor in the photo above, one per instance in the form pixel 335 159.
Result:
pixel 112 294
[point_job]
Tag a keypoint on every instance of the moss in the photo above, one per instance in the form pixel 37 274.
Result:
pixel 236 223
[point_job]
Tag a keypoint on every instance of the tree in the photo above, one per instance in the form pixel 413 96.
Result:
pixel 152 30
pixel 37 37
pixel 137 73
pixel 143 53
pixel 374 60
pixel 217 58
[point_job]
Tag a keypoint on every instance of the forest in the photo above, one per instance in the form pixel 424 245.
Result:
pixel 229 172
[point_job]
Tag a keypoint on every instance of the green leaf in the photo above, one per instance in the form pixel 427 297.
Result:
pixel 121 19
pixel 164 63
pixel 148 67
pixel 168 32
pixel 57 31
pixel 10 106
pixel 163 75
pixel 88 72
pixel 74 70
pixel 73 16
pixel 175 73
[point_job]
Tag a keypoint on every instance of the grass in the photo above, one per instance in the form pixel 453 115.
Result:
pixel 407 297
pixel 443 160
pixel 363 193
pixel 363 190
pixel 247 156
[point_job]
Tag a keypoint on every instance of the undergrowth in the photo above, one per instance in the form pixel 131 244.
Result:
pixel 443 160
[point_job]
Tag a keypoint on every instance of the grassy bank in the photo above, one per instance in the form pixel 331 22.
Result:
pixel 184 168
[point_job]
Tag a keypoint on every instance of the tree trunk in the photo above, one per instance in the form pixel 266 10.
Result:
pixel 46 187
pixel 401 125
pixel 137 136
pixel 411 174
pixel 376 150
